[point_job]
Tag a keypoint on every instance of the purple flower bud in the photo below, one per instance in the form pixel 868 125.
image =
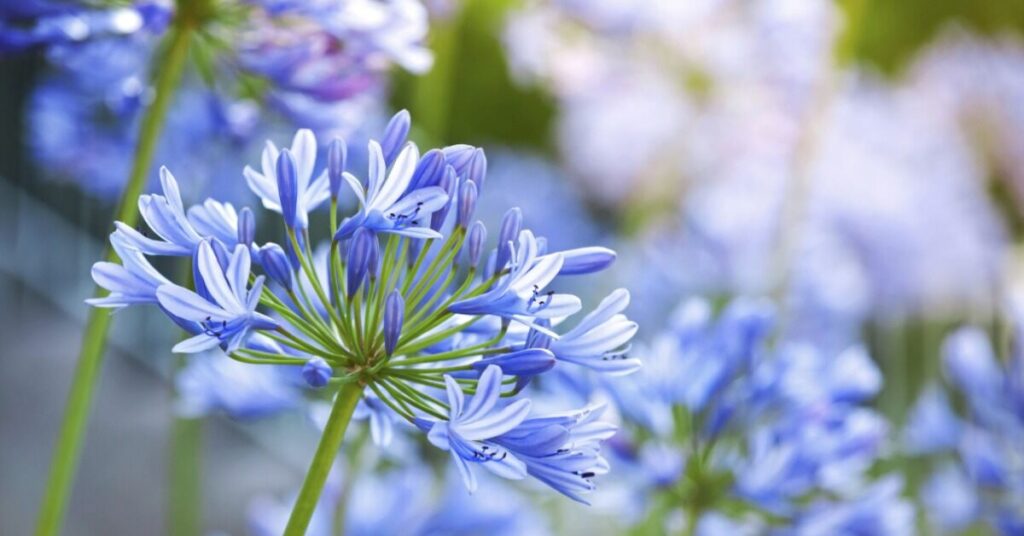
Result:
pixel 276 264
pixel 221 251
pixel 373 261
pixel 586 260
pixel 337 154
pixel 429 171
pixel 492 260
pixel 511 225
pixel 475 243
pixel 394 309
pixel 394 136
pixel 359 252
pixel 528 362
pixel 467 203
pixel 293 256
pixel 246 227
pixel 316 372
pixel 459 156
pixel 450 184
pixel 287 188
pixel 476 169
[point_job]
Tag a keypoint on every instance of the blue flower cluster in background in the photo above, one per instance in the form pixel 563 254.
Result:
pixel 322 65
pixel 734 429
pixel 978 476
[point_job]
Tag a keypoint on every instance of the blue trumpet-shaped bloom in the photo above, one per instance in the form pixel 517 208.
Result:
pixel 471 427
pixel 387 205
pixel 309 192
pixel 228 314
pixel 561 450
pixel 132 282
pixel 165 215
pixel 519 294
pixel 600 340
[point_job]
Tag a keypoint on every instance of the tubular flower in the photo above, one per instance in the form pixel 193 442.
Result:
pixel 394 303
pixel 307 193
pixel 228 311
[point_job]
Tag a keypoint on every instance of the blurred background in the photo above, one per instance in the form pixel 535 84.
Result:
pixel 858 162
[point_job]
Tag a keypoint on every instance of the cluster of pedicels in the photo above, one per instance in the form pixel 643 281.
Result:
pixel 404 300
pixel 732 432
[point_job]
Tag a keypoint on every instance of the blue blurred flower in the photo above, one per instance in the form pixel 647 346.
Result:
pixel 211 383
pixel 781 434
pixel 985 483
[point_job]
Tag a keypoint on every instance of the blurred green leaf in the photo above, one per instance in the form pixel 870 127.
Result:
pixel 469 96
pixel 888 33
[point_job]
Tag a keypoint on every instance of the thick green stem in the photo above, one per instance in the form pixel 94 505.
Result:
pixel 326 452
pixel 76 413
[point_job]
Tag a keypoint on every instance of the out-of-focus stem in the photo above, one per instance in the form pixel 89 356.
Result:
pixel 69 442
pixel 185 478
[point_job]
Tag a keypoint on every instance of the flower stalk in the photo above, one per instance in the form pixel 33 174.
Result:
pixel 69 442
pixel 326 452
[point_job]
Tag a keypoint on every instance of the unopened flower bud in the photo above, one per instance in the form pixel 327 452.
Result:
pixel 316 372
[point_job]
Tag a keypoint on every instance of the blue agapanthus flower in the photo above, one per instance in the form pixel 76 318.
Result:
pixel 979 476
pixel 37 23
pixel 743 432
pixel 410 318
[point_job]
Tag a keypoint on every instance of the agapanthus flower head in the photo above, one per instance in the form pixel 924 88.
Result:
pixel 391 305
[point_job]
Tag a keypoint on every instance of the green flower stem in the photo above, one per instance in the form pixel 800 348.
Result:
pixel 355 465
pixel 326 452
pixel 76 413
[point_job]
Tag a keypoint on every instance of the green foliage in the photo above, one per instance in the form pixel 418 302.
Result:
pixel 887 33
pixel 468 95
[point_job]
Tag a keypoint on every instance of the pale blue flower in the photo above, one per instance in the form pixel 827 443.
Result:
pixel 519 294
pixel 310 192
pixel 600 341
pixel 386 205
pixel 471 427
pixel 211 382
pixel 132 282
pixel 228 314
